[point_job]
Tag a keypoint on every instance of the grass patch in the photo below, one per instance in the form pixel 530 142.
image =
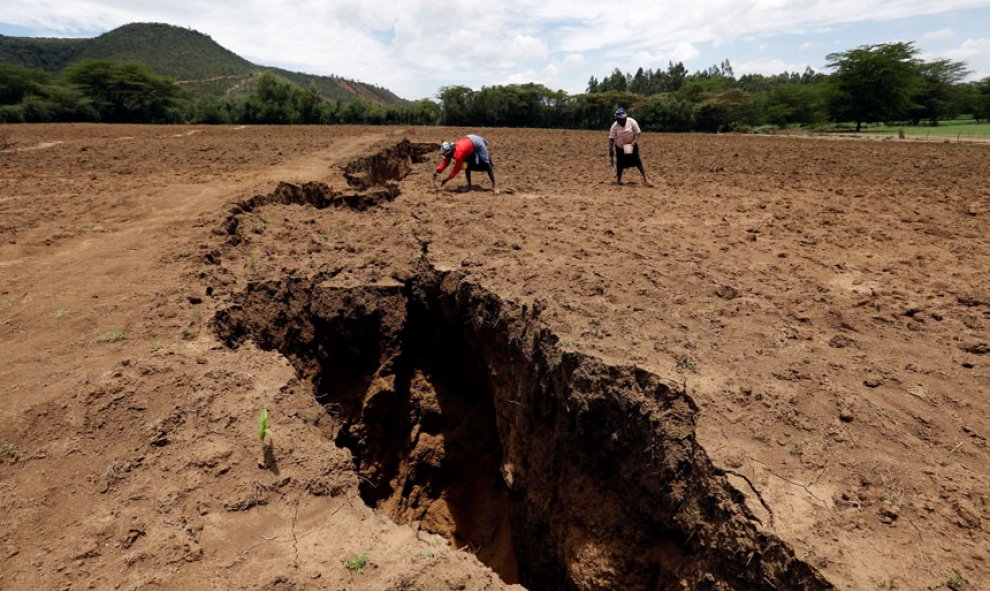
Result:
pixel 9 451
pixel 113 337
pixel 945 129
pixel 957 582
pixel 357 563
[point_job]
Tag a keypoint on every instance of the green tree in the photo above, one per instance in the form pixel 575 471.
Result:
pixel 794 103
pixel 425 112
pixel 121 91
pixel 665 113
pixel 721 111
pixel 456 101
pixel 58 102
pixel 212 110
pixel 308 105
pixel 938 91
pixel 640 83
pixel 616 82
pixel 16 82
pixel 274 101
pixel 873 83
pixel 981 100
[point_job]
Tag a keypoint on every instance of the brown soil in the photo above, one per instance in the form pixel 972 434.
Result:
pixel 766 372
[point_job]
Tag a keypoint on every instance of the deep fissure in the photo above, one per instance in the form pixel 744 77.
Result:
pixel 373 180
pixel 555 469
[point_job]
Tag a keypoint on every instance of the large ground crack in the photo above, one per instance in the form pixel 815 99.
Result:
pixel 558 470
pixel 373 181
pixel 391 164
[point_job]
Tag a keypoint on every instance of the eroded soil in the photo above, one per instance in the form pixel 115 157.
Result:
pixel 767 372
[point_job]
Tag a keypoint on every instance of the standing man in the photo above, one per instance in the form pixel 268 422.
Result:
pixel 623 146
pixel 470 153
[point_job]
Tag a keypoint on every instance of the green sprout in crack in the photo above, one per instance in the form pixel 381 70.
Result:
pixel 263 430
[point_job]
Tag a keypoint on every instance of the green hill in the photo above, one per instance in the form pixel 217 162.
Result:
pixel 195 60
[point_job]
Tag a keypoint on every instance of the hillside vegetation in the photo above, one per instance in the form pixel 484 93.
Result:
pixel 193 59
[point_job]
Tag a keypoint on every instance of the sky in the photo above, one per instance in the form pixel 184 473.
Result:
pixel 414 47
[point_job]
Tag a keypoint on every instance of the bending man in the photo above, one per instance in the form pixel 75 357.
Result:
pixel 469 153
pixel 623 146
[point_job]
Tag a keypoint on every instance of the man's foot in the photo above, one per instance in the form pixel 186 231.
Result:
pixel 616 183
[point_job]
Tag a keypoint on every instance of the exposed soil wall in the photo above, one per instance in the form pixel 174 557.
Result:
pixel 466 418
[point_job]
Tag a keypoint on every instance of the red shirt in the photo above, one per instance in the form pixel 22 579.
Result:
pixel 463 148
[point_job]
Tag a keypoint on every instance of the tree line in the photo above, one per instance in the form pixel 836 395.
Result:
pixel 882 83
pixel 868 84
pixel 119 92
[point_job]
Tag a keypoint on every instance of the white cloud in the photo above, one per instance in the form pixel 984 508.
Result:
pixel 970 48
pixel 809 45
pixel 767 67
pixel 939 36
pixel 415 46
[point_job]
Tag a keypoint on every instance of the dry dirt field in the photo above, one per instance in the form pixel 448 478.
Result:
pixel 769 371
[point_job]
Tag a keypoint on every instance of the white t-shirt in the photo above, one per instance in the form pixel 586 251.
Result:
pixel 624 135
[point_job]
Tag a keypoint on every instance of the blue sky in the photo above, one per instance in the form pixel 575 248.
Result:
pixel 414 47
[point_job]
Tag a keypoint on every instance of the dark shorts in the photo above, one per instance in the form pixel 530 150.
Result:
pixel 623 160
pixel 475 165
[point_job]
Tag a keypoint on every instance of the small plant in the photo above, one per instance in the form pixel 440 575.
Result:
pixel 688 364
pixel 60 312
pixel 263 430
pixel 155 346
pixel 113 337
pixel 357 563
pixel 8 450
pixel 957 582
pixel 202 273
pixel 10 363
pixel 5 302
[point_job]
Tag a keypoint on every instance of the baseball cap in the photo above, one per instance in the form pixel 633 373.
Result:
pixel 620 113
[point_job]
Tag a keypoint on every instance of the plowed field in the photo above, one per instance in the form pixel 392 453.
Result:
pixel 771 370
